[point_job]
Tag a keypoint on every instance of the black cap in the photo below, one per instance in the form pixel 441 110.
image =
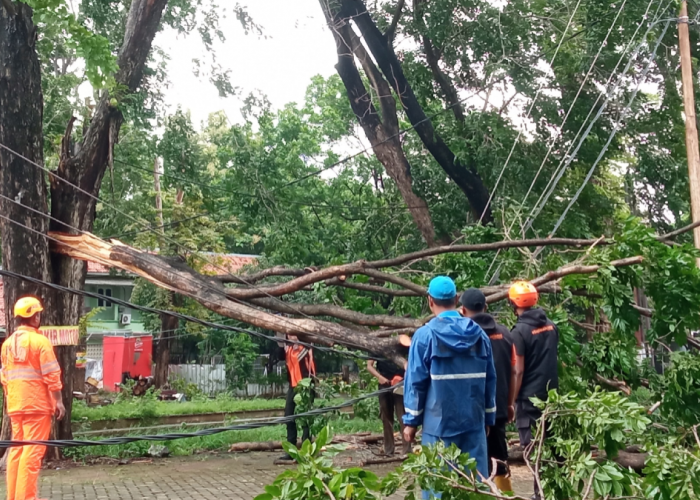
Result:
pixel 473 299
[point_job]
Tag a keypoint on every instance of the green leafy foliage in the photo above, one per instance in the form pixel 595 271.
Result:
pixel 317 478
pixel 679 390
pixel 94 49
pixel 439 469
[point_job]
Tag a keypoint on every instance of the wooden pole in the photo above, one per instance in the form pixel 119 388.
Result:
pixel 691 128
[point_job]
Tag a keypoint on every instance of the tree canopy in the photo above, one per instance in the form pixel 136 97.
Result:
pixel 456 137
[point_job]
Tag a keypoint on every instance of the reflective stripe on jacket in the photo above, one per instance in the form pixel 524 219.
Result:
pixel 450 385
pixel 294 356
pixel 30 372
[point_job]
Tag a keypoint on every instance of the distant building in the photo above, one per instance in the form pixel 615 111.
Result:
pixel 116 320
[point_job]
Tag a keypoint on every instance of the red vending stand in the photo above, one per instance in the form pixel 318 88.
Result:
pixel 130 356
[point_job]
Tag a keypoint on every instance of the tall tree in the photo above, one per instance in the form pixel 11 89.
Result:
pixel 84 164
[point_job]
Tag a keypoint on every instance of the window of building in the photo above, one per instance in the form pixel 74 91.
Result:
pixel 102 302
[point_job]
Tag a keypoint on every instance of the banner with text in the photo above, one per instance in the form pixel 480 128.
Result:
pixel 62 335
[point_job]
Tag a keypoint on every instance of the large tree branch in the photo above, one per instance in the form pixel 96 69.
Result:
pixel 383 133
pixel 174 275
pixel 433 58
pixel 466 178
pixel 566 271
pixel 369 268
pixel 391 30
pixel 86 169
pixel 252 278
pixel 334 311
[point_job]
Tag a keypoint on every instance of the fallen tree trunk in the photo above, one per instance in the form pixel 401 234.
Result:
pixel 381 461
pixel 277 445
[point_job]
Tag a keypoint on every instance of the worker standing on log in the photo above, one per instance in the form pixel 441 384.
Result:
pixel 300 365
pixel 450 386
pixel 535 359
pixel 473 303
pixel 31 378
pixel 390 403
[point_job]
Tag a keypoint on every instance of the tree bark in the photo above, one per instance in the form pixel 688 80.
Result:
pixel 21 108
pixel 382 132
pixel 433 59
pixel 168 326
pixel 466 177
pixel 21 111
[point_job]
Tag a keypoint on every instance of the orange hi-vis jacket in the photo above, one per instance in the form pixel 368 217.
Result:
pixel 30 372
pixel 295 355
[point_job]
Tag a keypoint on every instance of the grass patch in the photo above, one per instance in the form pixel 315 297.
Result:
pixel 145 408
pixel 218 442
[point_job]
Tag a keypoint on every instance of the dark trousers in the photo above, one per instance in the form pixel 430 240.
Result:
pixel 526 424
pixel 497 443
pixel 289 408
pixel 390 406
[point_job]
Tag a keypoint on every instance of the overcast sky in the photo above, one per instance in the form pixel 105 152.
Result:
pixel 298 46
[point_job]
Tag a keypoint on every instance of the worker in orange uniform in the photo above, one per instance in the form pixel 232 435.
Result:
pixel 31 379
pixel 300 365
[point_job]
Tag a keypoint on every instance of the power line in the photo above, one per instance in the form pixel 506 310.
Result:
pixel 616 127
pixel 185 317
pixel 226 271
pixel 71 443
pixel 573 103
pixel 249 195
pixel 529 112
pixel 561 127
pixel 608 95
pixel 568 159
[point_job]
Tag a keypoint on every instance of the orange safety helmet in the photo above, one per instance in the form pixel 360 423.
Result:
pixel 523 294
pixel 26 307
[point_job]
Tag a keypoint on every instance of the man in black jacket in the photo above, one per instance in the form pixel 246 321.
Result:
pixel 535 342
pixel 473 303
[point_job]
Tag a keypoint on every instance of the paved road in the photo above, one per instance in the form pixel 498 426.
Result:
pixel 204 477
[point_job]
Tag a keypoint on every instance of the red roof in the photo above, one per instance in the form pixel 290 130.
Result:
pixel 96 267
pixel 221 264
pixel 229 263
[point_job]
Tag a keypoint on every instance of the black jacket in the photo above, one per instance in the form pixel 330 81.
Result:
pixel 502 347
pixel 536 338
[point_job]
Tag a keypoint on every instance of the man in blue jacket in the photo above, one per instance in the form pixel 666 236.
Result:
pixel 450 385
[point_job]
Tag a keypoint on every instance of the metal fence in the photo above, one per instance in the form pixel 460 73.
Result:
pixel 211 380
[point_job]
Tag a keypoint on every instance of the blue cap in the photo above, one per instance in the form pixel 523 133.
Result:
pixel 442 288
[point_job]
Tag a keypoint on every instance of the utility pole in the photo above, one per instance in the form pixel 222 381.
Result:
pixel 691 127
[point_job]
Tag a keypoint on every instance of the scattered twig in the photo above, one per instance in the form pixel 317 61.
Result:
pixel 654 407
pixel 590 483
pixel 328 490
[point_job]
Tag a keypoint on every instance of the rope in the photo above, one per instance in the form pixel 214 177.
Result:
pixel 529 112
pixel 72 443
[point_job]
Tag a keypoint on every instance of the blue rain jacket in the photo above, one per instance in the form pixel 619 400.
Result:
pixel 450 385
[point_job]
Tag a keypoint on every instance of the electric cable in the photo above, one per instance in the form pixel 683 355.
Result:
pixel 185 317
pixel 72 443
pixel 529 112
pixel 614 131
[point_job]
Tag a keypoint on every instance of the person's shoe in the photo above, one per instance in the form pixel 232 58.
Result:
pixel 503 483
pixel 285 458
